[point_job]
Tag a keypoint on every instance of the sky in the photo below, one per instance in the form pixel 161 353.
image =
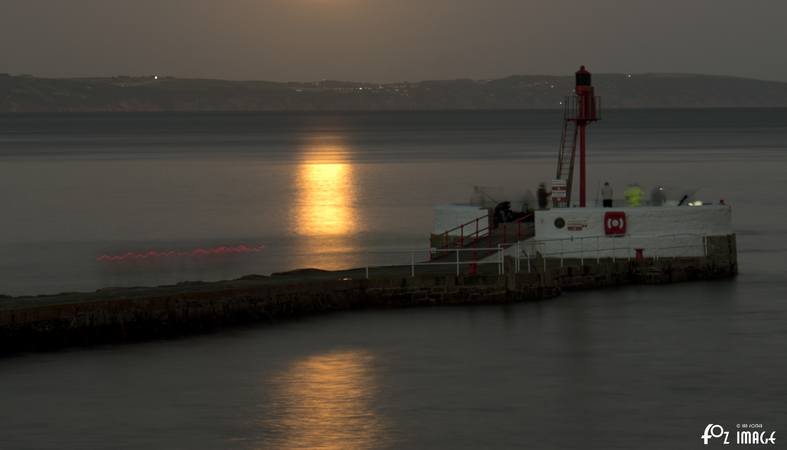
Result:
pixel 390 40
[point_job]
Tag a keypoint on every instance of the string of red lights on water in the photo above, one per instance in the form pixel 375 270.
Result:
pixel 197 252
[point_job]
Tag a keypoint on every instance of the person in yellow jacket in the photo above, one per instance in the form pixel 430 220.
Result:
pixel 633 195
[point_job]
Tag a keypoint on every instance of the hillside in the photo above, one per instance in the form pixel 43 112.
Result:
pixel 31 94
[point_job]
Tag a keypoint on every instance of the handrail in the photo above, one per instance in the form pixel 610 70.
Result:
pixel 456 262
pixel 596 253
pixel 478 231
pixel 485 216
pixel 540 255
pixel 652 236
pixel 471 238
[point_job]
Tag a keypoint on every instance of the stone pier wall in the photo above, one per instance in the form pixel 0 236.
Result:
pixel 173 312
pixel 119 315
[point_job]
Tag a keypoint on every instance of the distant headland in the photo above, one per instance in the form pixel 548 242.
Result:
pixel 25 93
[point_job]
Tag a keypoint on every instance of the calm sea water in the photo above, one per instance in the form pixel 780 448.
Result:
pixel 640 367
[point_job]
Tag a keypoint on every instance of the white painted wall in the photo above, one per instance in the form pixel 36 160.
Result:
pixel 659 231
pixel 447 217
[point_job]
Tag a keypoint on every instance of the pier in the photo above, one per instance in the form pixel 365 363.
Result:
pixel 133 314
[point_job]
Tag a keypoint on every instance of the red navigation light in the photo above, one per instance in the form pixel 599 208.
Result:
pixel 197 252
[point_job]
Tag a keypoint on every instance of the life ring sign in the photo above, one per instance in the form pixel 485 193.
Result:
pixel 615 223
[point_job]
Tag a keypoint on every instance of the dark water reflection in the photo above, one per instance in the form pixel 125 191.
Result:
pixel 325 401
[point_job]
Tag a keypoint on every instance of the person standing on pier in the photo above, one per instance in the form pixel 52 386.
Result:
pixel 606 195
pixel 543 196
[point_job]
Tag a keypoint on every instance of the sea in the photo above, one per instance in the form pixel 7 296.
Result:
pixel 89 201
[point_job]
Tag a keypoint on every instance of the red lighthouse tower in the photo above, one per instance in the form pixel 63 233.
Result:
pixel 579 110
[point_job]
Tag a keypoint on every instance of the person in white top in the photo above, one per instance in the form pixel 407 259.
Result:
pixel 606 195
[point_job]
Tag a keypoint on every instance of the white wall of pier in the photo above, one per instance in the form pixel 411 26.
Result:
pixel 657 231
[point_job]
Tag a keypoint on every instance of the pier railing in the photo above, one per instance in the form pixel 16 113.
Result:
pixel 482 231
pixel 530 256
pixel 675 245
pixel 466 232
pixel 456 260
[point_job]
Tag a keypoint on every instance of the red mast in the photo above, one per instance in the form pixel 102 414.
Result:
pixel 587 113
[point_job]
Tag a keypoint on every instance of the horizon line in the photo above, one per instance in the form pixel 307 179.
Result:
pixel 162 77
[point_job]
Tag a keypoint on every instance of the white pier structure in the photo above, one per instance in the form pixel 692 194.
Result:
pixel 627 232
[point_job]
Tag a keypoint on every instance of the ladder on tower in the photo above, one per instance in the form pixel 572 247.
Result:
pixel 567 155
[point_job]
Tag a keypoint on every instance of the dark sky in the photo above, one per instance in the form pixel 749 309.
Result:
pixel 391 40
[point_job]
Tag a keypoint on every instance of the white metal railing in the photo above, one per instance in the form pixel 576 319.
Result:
pixel 526 254
pixel 697 244
pixel 436 258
